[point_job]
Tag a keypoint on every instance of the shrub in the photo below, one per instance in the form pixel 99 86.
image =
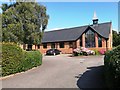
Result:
pixel 15 60
pixel 112 67
pixel 102 51
pixel 31 59
pixel 12 56
pixel 96 52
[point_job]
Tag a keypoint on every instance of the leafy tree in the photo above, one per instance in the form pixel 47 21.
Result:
pixel 24 22
pixel 116 38
pixel 4 7
pixel 0 27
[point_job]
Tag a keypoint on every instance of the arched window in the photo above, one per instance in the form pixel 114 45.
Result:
pixel 89 39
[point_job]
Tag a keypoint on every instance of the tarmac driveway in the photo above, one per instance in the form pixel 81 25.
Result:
pixel 61 71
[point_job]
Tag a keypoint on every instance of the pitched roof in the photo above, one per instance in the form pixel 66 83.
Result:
pixel 72 34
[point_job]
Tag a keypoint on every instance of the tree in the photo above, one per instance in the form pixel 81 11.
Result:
pixel 24 22
pixel 4 7
pixel 116 38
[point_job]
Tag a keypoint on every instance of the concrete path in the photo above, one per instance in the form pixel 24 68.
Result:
pixel 61 71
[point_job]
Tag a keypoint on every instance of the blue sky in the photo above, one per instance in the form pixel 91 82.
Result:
pixel 72 14
pixel 69 14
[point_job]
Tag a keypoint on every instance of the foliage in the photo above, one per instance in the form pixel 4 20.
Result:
pixel 102 51
pixel 31 59
pixel 15 60
pixel 96 52
pixel 24 22
pixel 112 67
pixel 0 28
pixel 11 58
pixel 116 39
pixel 4 7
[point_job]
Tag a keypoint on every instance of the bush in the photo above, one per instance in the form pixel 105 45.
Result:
pixel 102 51
pixel 96 52
pixel 15 60
pixel 31 59
pixel 12 56
pixel 112 68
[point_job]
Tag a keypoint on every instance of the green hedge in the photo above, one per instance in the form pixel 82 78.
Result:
pixel 15 60
pixel 97 52
pixel 31 59
pixel 112 68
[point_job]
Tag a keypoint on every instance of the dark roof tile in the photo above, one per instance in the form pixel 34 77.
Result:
pixel 71 34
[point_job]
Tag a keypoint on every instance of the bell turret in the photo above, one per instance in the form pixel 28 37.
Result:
pixel 95 19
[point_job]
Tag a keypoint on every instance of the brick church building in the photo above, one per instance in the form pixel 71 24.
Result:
pixel 95 37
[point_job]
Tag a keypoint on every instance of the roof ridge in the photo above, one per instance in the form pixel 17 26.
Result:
pixel 75 27
pixel 68 28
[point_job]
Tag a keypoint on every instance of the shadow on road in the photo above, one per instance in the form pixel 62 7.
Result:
pixel 92 78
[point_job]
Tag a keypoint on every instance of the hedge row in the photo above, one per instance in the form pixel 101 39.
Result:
pixel 31 59
pixel 15 60
pixel 112 68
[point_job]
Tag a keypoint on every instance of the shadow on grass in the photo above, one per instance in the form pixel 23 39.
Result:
pixel 92 78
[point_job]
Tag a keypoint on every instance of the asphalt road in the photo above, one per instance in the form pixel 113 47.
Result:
pixel 61 71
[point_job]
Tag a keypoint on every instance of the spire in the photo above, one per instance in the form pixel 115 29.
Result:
pixel 95 19
pixel 94 16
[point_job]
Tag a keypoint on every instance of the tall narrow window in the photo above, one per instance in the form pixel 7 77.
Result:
pixel 81 41
pixel 89 39
pixel 61 44
pixel 52 45
pixel 99 41
pixel 38 46
pixel 45 45
pixel 70 44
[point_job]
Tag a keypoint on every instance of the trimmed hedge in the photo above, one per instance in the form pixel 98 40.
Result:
pixel 12 56
pixel 112 68
pixel 15 60
pixel 31 59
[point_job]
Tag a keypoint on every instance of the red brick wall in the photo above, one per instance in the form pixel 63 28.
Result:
pixel 103 43
pixel 83 40
pixel 96 40
pixel 64 50
pixel 76 44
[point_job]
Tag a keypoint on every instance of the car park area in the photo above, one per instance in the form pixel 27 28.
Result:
pixel 61 71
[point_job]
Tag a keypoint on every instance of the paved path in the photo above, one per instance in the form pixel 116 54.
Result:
pixel 61 71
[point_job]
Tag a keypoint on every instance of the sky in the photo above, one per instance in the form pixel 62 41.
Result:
pixel 73 14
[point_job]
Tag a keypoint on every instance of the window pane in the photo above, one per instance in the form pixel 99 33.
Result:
pixel 61 45
pixel 45 45
pixel 52 45
pixel 99 41
pixel 38 46
pixel 81 41
pixel 70 44
pixel 90 39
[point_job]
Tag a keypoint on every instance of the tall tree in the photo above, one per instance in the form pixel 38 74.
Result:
pixel 4 7
pixel 24 22
pixel 116 38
